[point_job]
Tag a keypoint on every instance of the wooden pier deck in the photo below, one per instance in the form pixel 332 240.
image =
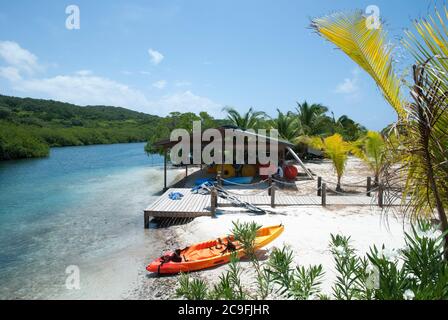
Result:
pixel 195 205
pixel 190 206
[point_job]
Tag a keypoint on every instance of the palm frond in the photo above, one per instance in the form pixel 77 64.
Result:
pixel 367 47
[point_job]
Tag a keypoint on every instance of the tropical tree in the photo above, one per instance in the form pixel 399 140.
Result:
pixel 421 127
pixel 249 120
pixel 347 127
pixel 311 118
pixel 287 125
pixel 372 150
pixel 335 148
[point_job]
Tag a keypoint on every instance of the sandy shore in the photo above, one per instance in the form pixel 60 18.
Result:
pixel 307 232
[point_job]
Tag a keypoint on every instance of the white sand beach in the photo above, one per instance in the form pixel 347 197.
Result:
pixel 307 233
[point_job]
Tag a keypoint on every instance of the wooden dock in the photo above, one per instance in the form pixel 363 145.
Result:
pixel 190 206
pixel 195 205
pixel 298 200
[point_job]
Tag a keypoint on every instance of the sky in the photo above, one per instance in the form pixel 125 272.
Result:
pixel 160 56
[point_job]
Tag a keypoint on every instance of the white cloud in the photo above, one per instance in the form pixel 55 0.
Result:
pixel 159 84
pixel 182 83
pixel 84 90
pixel 186 102
pixel 84 73
pixel 156 56
pixel 95 90
pixel 83 87
pixel 349 86
pixel 10 73
pixel 15 56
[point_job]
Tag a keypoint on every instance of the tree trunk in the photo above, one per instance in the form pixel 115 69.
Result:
pixel 431 179
pixel 338 186
pixel 425 118
pixel 439 205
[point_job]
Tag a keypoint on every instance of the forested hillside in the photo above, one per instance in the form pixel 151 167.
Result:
pixel 29 127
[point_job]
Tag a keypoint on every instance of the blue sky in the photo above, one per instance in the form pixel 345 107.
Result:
pixel 162 56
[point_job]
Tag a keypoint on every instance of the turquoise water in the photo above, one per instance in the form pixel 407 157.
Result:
pixel 78 205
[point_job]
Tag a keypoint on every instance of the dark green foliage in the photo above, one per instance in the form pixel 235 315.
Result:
pixel 299 283
pixel 28 127
pixel 176 120
pixel 17 142
pixel 191 289
pixel 34 125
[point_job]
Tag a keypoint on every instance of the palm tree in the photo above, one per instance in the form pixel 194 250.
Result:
pixel 335 148
pixel 372 150
pixel 311 117
pixel 287 125
pixel 421 136
pixel 249 120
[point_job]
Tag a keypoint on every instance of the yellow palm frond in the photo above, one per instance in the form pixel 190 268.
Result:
pixel 366 46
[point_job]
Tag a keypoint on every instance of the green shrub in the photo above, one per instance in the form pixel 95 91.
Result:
pixel 418 271
pixel 16 143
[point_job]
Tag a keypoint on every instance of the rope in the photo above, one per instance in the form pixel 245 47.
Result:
pixel 284 182
pixel 244 184
pixel 311 193
pixel 249 193
pixel 224 194
pixel 353 185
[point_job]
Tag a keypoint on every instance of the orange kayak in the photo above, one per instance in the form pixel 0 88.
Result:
pixel 210 253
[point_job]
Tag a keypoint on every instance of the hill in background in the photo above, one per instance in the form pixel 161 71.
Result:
pixel 29 127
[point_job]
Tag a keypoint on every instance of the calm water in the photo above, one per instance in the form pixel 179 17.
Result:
pixel 77 206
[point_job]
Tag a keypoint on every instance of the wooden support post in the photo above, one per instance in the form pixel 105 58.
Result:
pixel 186 170
pixel 380 195
pixel 369 186
pixel 146 220
pixel 273 187
pixel 270 185
pixel 214 201
pixel 164 169
pixel 218 179
pixel 319 186
pixel 324 194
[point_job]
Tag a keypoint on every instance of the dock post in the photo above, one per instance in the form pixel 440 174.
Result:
pixel 369 186
pixel 146 220
pixel 214 201
pixel 270 185
pixel 319 186
pixel 324 194
pixel 186 170
pixel 218 179
pixel 380 195
pixel 164 170
pixel 273 187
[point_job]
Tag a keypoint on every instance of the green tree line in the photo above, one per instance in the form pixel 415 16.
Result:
pixel 29 127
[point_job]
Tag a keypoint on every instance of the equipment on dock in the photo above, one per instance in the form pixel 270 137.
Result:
pixel 211 168
pixel 226 182
pixel 249 170
pixel 237 181
pixel 175 195
pixel 290 172
pixel 209 253
pixel 228 171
